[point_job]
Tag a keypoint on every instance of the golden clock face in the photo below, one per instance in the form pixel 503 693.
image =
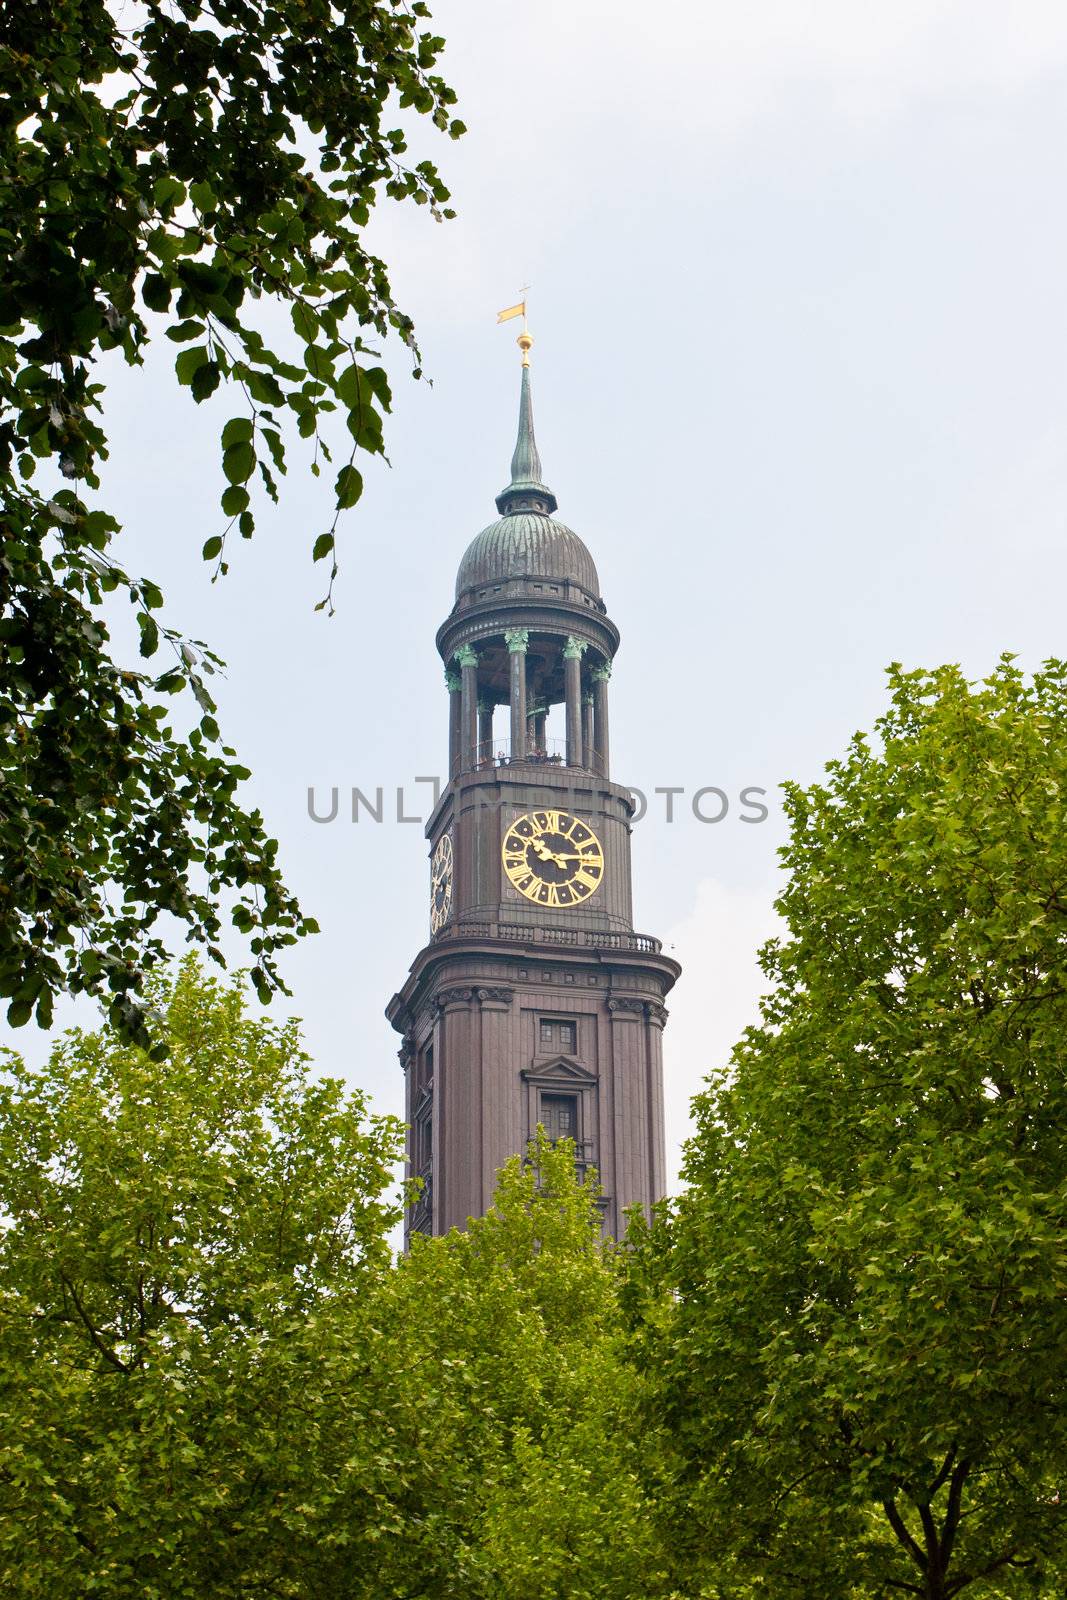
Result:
pixel 552 858
pixel 441 883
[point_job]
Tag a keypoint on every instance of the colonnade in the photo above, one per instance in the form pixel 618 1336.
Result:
pixel 470 726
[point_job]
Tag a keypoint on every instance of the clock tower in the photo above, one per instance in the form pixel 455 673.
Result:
pixel 535 1001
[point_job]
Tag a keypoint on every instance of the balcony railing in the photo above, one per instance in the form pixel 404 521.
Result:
pixel 545 753
pixel 641 943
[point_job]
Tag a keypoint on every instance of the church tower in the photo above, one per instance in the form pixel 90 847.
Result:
pixel 535 1001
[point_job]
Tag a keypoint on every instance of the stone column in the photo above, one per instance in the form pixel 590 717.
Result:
pixel 453 683
pixel 500 1127
pixel 588 755
pixel 573 651
pixel 535 726
pixel 657 1018
pixel 600 718
pixel 517 640
pixel 467 661
pixel 457 1075
pixel 485 731
pixel 630 1109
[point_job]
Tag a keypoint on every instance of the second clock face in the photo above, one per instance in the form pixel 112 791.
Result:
pixel 441 883
pixel 552 858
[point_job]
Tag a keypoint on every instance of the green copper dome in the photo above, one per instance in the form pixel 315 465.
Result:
pixel 526 544
pixel 527 541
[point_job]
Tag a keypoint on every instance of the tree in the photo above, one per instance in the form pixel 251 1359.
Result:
pixel 215 1381
pixel 863 1333
pixel 182 1254
pixel 537 1455
pixel 171 169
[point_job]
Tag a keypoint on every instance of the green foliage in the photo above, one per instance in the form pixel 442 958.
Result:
pixel 535 1455
pixel 213 1381
pixel 156 176
pixel 859 1306
pixel 182 1252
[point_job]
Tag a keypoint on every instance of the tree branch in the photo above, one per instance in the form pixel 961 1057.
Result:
pixel 965 1578
pixel 946 1467
pixel 952 1511
pixel 896 1522
pixel 104 1349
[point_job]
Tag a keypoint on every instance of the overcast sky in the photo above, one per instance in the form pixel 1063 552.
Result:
pixel 797 289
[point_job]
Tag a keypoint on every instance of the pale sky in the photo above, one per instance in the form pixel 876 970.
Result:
pixel 797 290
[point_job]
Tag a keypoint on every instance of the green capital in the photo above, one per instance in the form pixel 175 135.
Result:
pixel 453 682
pixel 601 674
pixel 516 640
pixel 574 649
pixel 466 655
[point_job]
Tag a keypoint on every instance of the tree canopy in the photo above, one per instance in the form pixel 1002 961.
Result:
pixel 167 170
pixel 859 1333
pixel 213 1380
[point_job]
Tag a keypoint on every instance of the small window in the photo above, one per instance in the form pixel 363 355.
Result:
pixel 559 1116
pixel 424 1070
pixel 556 1034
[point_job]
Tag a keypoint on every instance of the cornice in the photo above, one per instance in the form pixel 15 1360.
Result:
pixel 504 615
pixel 610 965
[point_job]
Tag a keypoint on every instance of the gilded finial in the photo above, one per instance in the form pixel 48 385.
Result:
pixel 525 339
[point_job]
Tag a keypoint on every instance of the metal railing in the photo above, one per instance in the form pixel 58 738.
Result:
pixel 541 753
pixel 641 943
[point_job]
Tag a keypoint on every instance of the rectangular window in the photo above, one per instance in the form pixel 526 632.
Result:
pixel 424 1068
pixel 422 1113
pixel 556 1033
pixel 559 1116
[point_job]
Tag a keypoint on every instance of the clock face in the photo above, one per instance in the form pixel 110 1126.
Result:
pixel 552 858
pixel 441 883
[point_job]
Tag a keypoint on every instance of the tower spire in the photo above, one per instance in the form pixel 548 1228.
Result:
pixel 526 491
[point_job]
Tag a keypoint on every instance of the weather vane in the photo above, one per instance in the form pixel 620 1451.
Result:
pixel 525 339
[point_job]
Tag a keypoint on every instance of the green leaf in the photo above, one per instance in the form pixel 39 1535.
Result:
pixel 189 362
pixel 264 388
pixel 305 322
pixel 205 380
pixel 349 487
pixel 234 499
pixel 202 195
pixel 181 332
pixel 238 462
pixel 156 292
pixel 379 386
pixel 323 546
pixel 212 547
pixel 169 193
pixel 149 634
pixel 237 431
